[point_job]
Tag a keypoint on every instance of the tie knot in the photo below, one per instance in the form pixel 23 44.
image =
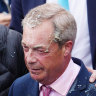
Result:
pixel 46 90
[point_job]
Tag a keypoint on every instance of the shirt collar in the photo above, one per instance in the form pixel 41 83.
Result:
pixel 63 83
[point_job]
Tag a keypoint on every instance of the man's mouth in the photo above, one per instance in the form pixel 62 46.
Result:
pixel 36 71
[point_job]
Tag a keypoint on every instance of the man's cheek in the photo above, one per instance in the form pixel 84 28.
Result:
pixel 25 58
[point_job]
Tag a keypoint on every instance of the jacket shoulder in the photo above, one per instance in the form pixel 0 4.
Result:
pixel 23 80
pixel 24 86
pixel 81 85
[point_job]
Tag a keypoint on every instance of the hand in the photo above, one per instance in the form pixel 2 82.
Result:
pixel 93 76
pixel 5 19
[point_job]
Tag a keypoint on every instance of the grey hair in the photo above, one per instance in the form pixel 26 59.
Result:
pixel 64 23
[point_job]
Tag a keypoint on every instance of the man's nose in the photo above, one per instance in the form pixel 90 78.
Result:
pixel 31 58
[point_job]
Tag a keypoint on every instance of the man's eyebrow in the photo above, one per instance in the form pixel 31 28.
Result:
pixel 35 47
pixel 38 47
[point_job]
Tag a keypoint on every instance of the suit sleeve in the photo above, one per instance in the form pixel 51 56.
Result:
pixel 17 15
pixel 11 90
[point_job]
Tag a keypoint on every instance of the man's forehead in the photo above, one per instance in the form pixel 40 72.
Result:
pixel 40 41
pixel 37 42
pixel 40 35
pixel 45 28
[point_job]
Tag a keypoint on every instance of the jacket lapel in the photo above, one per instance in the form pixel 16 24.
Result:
pixel 81 81
pixel 33 89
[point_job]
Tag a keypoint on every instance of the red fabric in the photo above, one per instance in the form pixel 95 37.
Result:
pixel 46 90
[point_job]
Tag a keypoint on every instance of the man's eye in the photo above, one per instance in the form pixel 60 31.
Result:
pixel 25 48
pixel 42 51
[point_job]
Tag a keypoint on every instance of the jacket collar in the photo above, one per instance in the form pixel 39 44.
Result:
pixel 32 87
pixel 81 81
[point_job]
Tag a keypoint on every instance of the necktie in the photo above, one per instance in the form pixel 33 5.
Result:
pixel 64 4
pixel 46 90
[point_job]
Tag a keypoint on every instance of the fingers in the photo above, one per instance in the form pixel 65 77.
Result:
pixel 90 70
pixel 93 76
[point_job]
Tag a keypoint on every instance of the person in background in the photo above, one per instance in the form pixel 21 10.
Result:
pixel 5 11
pixel 12 63
pixel 49 33
pixel 19 8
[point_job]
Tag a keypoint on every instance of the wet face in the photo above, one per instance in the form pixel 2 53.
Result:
pixel 44 59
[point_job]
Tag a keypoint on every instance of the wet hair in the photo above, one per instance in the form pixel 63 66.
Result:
pixel 64 23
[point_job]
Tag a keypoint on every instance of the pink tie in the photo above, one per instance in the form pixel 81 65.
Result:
pixel 46 90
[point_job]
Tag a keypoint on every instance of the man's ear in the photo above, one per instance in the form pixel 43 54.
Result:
pixel 67 47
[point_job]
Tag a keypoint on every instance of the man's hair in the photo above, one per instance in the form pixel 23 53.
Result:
pixel 63 22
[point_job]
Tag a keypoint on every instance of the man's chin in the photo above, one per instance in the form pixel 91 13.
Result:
pixel 36 77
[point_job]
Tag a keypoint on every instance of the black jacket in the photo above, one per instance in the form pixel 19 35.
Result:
pixel 11 58
pixel 5 7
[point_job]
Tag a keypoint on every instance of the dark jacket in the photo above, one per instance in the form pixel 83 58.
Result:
pixel 26 86
pixel 4 7
pixel 21 7
pixel 11 58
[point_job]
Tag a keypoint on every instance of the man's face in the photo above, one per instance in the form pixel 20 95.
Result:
pixel 44 59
